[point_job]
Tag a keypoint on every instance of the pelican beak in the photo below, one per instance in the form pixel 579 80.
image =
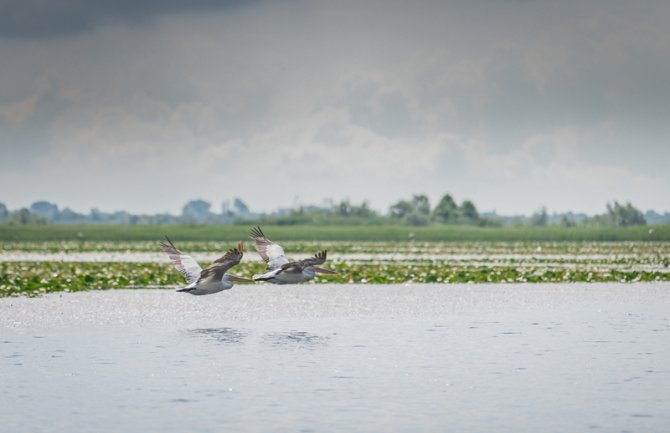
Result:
pixel 324 271
pixel 239 279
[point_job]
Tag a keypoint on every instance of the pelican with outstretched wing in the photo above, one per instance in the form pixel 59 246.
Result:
pixel 212 279
pixel 280 269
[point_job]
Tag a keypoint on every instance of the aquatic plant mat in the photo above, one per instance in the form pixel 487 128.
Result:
pixel 33 268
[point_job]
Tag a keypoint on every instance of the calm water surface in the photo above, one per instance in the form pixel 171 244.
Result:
pixel 519 359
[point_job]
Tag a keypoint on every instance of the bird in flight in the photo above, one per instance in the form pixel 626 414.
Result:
pixel 280 269
pixel 212 279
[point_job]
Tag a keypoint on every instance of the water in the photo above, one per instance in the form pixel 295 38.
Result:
pixel 478 358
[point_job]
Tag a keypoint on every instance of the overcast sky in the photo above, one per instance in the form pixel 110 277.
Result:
pixel 513 104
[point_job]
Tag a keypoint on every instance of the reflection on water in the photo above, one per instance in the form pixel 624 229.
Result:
pixel 290 339
pixel 295 339
pixel 221 335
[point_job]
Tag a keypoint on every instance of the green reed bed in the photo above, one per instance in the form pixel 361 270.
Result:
pixel 400 233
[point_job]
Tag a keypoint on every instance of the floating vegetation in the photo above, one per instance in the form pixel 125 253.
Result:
pixel 35 267
pixel 35 278
pixel 373 247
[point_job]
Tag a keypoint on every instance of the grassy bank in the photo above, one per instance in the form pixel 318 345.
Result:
pixel 339 233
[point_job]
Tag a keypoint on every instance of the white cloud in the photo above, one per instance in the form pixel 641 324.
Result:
pixel 503 103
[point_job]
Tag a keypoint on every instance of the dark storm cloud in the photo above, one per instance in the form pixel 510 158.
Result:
pixel 29 139
pixel 510 103
pixel 47 18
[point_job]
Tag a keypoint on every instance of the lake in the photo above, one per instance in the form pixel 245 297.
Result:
pixel 326 358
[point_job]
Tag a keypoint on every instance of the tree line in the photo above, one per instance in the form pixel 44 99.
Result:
pixel 414 211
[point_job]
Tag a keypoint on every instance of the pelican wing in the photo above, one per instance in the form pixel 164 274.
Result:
pixel 182 262
pixel 219 267
pixel 272 253
pixel 318 259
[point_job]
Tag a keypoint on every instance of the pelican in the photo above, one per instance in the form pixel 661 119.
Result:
pixel 212 279
pixel 280 269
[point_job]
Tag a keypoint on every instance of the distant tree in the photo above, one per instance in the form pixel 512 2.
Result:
pixel 364 210
pixel 24 216
pixel 4 213
pixel 446 210
pixel 240 207
pixel 96 216
pixel 196 209
pixel 68 216
pixel 653 217
pixel 123 217
pixel 45 209
pixel 539 218
pixel 421 204
pixel 343 208
pixel 568 221
pixel 624 215
pixel 469 211
pixel 346 208
pixel 401 209
pixel 225 208
pixel 416 218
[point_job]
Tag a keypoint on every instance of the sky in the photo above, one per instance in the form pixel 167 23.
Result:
pixel 513 104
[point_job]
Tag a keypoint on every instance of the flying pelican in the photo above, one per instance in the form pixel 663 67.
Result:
pixel 212 279
pixel 280 269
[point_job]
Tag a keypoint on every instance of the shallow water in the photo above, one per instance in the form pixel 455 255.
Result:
pixel 504 358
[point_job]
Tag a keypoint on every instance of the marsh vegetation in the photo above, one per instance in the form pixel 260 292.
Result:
pixel 31 267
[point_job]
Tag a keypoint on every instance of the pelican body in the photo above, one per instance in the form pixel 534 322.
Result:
pixel 212 279
pixel 280 269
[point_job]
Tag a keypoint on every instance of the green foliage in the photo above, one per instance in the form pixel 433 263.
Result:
pixel 539 218
pixel 640 250
pixel 619 215
pixel 446 210
pixel 414 212
pixel 386 274
pixel 44 209
pixel 34 278
pixel 469 211
pixel 465 263
pixel 361 233
pixel 340 214
pixel 25 217
pixel 368 262
pixel 421 204
pixel 401 209
pixel 417 218
pixel 567 221
pixel 346 209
